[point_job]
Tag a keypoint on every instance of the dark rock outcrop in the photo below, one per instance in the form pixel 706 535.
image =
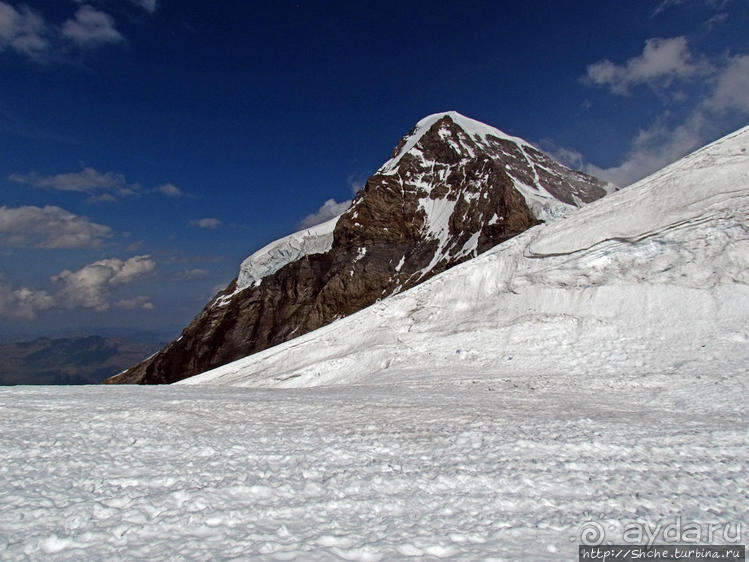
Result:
pixel 452 189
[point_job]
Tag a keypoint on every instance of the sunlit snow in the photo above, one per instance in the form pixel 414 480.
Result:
pixel 592 370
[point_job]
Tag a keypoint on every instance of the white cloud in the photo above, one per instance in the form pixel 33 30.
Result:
pixel 22 30
pixel 329 209
pixel 654 148
pixel 660 144
pixel 208 222
pixel 22 302
pixel 136 302
pixel 666 4
pixel 100 186
pixel 88 180
pixel 192 273
pixel 719 90
pixel 716 20
pixel 48 227
pixel 662 61
pixel 732 86
pixel 148 5
pixel 91 286
pixel 91 28
pixel 356 183
pixel 27 32
pixel 567 156
pixel 169 189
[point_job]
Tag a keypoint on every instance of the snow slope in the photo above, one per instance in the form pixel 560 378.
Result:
pixel 654 278
pixel 586 377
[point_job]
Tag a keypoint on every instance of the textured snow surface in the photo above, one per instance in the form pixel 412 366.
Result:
pixel 436 465
pixel 678 194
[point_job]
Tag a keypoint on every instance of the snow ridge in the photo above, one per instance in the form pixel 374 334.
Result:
pixel 269 259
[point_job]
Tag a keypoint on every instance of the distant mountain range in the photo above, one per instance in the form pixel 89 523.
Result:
pixel 78 360
pixel 452 189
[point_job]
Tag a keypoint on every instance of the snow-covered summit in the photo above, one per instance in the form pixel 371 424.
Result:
pixel 455 189
pixel 319 239
pixel 476 129
pixel 652 279
pixel 550 189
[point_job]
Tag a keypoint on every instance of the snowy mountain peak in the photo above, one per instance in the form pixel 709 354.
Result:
pixel 636 288
pixel 453 189
pixel 476 130
pixel 439 145
pixel 450 139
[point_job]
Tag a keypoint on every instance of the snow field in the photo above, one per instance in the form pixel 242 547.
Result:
pixel 465 468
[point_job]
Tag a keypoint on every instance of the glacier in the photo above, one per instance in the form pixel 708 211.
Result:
pixel 585 376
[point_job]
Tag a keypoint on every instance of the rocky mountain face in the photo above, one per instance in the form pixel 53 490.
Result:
pixel 452 189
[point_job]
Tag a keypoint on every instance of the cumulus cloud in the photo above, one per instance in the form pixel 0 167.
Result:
pixel 90 27
pixel 718 94
pixel 732 86
pixel 48 227
pixel 99 186
pixel 91 286
pixel 329 210
pixel 654 148
pixel 22 30
pixel 148 5
pixel 662 61
pixel 28 33
pixel 22 302
pixel 169 189
pixel 208 222
pixel 660 144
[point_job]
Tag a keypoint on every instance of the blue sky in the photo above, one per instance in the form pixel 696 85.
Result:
pixel 148 146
